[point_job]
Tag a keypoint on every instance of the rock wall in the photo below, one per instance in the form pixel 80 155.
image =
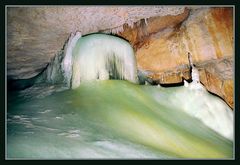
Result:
pixel 207 33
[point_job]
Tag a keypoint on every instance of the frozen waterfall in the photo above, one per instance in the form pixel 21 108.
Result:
pixel 93 57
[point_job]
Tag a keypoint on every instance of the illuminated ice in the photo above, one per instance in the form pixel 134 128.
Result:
pixel 98 56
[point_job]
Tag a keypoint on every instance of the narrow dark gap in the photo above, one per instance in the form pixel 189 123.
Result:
pixel 111 34
pixel 116 35
pixel 172 84
pixel 113 69
pixel 21 84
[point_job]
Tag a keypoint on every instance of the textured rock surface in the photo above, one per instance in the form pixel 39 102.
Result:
pixel 36 34
pixel 207 34
pixel 141 30
pixel 217 77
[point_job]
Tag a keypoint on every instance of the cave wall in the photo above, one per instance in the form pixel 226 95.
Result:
pixel 207 33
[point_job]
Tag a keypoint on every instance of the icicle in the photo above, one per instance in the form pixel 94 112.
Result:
pixel 145 19
pixel 117 30
pixel 67 61
pixel 130 23
pixel 195 75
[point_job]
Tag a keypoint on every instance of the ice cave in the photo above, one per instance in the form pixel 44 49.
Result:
pixel 120 82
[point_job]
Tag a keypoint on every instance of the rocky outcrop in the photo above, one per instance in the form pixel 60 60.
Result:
pixel 217 77
pixel 207 33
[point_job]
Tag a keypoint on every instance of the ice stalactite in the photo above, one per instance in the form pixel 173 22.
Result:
pixel 67 61
pixel 145 20
pixel 117 30
pixel 194 74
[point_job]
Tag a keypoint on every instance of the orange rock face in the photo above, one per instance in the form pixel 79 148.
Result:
pixel 203 34
pixel 217 77
pixel 207 33
pixel 139 34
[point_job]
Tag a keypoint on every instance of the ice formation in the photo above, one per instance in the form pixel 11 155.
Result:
pixel 101 56
pixel 67 61
pixel 197 102
pixel 194 74
pixel 212 111
pixel 92 57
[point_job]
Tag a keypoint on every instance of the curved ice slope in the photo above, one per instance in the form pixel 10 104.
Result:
pixel 116 119
pixel 195 100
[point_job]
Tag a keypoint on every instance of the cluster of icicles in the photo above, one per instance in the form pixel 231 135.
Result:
pixel 92 57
